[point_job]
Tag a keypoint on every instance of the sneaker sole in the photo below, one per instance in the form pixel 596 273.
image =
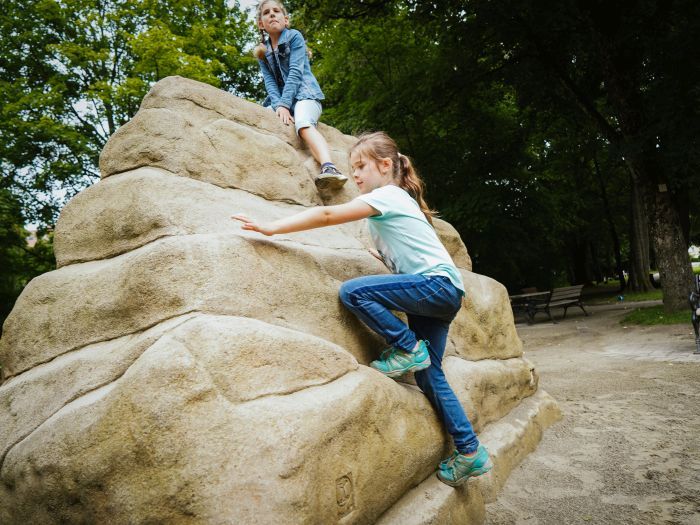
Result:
pixel 330 183
pixel 413 368
pixel 473 474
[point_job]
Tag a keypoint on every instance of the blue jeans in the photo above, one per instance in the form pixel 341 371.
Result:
pixel 430 303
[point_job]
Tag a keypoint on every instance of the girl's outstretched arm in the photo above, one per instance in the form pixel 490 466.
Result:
pixel 312 218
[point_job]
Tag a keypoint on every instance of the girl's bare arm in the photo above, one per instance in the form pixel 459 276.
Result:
pixel 311 218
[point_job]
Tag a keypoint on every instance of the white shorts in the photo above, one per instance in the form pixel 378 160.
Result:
pixel 306 113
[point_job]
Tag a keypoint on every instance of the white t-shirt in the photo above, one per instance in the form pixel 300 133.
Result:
pixel 404 237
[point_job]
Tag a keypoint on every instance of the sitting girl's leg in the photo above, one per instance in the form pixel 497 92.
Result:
pixel 316 143
pixel 306 115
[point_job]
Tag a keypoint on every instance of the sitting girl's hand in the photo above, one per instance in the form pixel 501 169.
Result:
pixel 284 115
pixel 249 224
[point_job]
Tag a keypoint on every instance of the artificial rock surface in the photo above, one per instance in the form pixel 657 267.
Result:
pixel 175 368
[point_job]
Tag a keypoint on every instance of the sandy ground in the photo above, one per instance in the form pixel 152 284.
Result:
pixel 628 447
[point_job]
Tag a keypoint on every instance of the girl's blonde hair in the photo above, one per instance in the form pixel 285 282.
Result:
pixel 378 145
pixel 261 48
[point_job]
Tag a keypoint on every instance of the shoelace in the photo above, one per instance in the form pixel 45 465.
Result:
pixel 330 170
pixel 387 353
pixel 451 460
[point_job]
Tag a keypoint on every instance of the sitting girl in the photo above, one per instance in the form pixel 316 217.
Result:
pixel 292 90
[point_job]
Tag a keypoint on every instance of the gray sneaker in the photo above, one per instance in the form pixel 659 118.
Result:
pixel 330 178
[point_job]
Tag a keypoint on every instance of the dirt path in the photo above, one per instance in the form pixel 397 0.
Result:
pixel 628 447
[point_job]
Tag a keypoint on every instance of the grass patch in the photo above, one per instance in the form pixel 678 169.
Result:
pixel 643 296
pixel 655 315
pixel 611 296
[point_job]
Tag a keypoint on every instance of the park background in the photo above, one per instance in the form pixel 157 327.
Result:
pixel 561 140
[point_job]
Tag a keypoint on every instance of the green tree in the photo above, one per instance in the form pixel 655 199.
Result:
pixel 629 68
pixel 73 71
pixel 622 75
pixel 485 160
pixel 19 262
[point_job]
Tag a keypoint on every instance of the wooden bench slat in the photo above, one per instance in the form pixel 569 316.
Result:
pixel 565 296
pixel 560 303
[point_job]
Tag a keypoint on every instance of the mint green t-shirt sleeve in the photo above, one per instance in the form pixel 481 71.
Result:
pixel 377 199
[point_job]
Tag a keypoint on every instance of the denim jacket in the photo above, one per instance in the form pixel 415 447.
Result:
pixel 297 82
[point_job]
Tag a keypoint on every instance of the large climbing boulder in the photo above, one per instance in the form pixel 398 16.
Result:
pixel 175 368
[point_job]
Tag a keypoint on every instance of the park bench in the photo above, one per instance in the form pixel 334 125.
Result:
pixel 563 297
pixel 532 303
pixel 527 301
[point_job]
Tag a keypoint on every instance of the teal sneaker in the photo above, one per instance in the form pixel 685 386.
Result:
pixel 394 362
pixel 458 468
pixel 386 353
pixel 446 463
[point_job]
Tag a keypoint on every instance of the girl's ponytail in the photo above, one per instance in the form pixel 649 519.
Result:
pixel 261 48
pixel 414 186
pixel 378 145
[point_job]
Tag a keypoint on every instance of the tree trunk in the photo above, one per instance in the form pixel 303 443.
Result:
pixel 611 225
pixel 674 266
pixel 579 261
pixel 622 72
pixel 639 242
pixel 597 275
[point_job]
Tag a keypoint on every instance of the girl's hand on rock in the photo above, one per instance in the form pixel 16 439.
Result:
pixel 250 224
pixel 284 115
pixel 375 254
pixel 378 256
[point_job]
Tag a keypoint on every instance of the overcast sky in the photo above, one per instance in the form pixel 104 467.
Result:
pixel 247 4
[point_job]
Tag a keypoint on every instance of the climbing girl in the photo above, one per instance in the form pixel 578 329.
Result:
pixel 292 90
pixel 425 284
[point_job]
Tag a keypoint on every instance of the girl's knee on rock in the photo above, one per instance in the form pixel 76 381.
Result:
pixel 348 291
pixel 345 294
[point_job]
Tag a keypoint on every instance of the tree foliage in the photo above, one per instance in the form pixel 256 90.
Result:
pixel 73 71
pixel 19 261
pixel 535 124
pixel 531 122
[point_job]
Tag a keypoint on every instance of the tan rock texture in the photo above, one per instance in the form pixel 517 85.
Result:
pixel 177 369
